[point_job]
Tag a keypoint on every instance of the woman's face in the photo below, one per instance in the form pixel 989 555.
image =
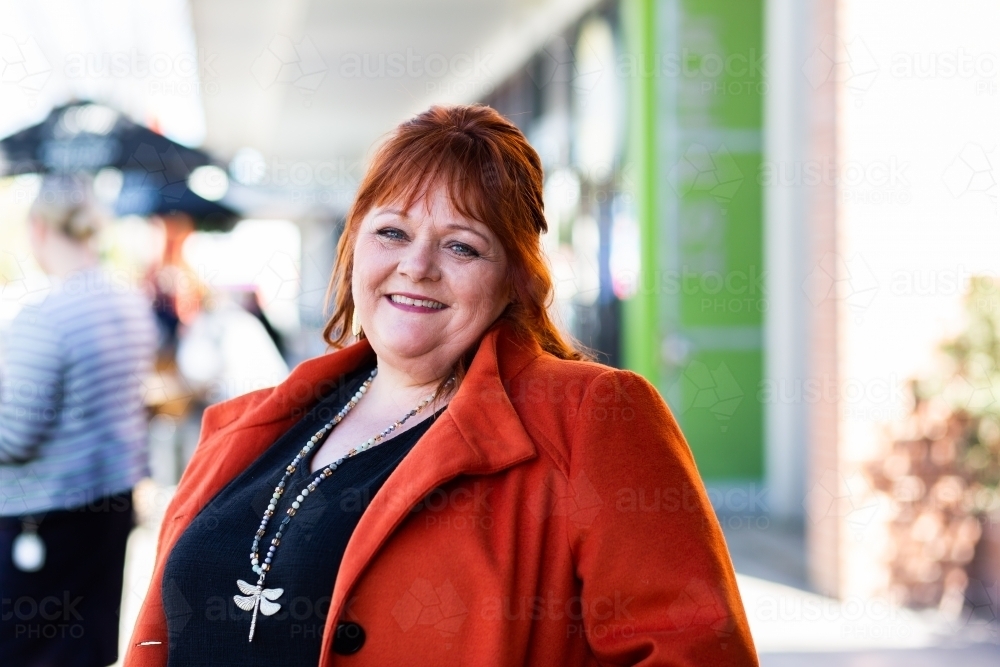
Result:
pixel 427 283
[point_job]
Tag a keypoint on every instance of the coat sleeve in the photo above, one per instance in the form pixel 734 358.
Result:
pixel 657 582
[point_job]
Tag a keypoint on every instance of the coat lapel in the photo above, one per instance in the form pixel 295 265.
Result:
pixel 466 440
pixel 246 430
pixel 479 433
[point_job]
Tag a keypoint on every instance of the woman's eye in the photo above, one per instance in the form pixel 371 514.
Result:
pixel 464 250
pixel 391 233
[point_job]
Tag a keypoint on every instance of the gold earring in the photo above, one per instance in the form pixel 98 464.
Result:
pixel 356 324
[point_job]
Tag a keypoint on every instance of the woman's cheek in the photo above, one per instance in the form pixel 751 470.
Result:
pixel 488 283
pixel 373 265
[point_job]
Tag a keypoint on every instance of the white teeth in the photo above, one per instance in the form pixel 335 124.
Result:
pixel 425 303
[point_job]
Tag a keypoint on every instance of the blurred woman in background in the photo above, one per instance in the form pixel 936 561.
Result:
pixel 72 442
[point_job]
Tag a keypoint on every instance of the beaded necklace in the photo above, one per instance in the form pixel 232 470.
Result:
pixel 257 597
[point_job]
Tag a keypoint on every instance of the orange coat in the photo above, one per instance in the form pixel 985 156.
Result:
pixel 552 516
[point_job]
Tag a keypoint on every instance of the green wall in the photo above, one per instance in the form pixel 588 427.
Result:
pixel 695 326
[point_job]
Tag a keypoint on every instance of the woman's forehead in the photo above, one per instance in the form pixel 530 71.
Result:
pixel 435 202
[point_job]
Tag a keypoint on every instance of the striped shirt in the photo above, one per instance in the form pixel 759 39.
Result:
pixel 72 411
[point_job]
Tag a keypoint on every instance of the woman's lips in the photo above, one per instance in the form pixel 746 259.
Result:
pixel 413 307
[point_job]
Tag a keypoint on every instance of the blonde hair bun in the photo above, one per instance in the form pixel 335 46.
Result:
pixel 66 203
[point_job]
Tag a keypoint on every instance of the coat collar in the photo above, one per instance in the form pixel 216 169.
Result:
pixel 467 440
pixel 479 433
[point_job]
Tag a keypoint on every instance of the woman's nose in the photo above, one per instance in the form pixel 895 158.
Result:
pixel 419 262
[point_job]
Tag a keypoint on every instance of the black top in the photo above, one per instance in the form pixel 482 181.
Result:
pixel 204 625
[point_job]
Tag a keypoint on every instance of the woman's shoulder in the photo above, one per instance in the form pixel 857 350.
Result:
pixel 566 404
pixel 570 380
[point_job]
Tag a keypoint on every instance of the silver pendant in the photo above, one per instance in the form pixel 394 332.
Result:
pixel 257 598
pixel 28 552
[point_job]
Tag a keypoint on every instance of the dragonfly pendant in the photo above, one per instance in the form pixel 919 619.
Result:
pixel 256 598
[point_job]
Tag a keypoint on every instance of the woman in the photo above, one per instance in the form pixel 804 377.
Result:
pixel 500 529
pixel 72 443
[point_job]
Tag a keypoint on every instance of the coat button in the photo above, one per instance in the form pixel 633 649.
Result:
pixel 349 638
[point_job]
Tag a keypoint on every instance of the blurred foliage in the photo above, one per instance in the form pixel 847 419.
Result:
pixel 968 382
pixel 942 467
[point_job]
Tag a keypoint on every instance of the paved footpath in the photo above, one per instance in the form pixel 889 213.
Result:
pixel 792 627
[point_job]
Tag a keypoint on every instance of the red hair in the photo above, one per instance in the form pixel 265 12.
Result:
pixel 493 175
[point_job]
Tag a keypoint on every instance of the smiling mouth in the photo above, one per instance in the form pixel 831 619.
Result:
pixel 418 303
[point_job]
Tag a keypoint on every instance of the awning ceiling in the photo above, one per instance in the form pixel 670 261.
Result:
pixel 321 80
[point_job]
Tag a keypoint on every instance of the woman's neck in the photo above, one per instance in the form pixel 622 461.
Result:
pixel 394 386
pixel 71 261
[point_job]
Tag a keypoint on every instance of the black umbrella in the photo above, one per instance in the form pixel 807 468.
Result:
pixel 83 136
pixel 137 198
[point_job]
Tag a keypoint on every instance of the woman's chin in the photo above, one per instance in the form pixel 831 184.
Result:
pixel 408 345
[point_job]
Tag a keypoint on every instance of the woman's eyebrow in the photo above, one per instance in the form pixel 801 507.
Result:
pixel 392 211
pixel 455 225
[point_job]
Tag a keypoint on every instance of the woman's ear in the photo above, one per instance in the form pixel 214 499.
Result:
pixel 38 233
pixel 511 295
